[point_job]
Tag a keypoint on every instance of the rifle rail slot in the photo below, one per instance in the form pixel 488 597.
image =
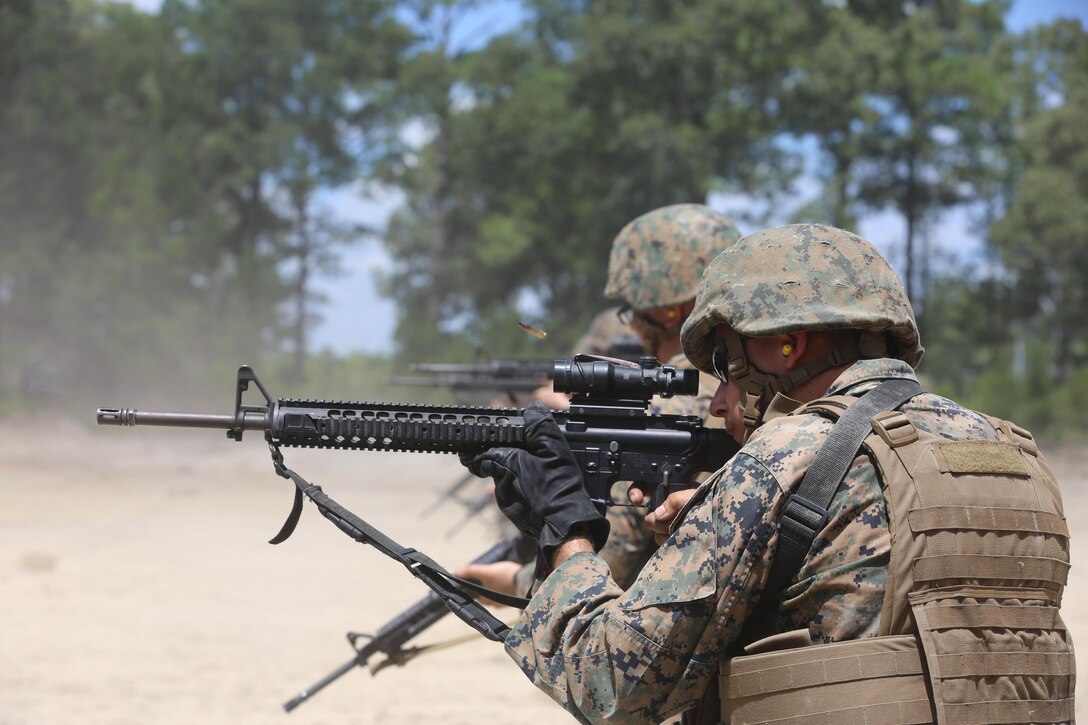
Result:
pixel 397 435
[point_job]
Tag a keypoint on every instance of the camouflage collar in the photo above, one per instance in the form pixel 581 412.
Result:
pixel 865 374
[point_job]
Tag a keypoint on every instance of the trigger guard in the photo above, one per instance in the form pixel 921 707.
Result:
pixel 663 491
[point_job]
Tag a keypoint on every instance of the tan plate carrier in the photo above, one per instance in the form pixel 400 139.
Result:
pixel 970 629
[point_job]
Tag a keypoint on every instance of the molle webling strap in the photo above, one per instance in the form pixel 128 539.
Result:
pixel 979 559
pixel 874 680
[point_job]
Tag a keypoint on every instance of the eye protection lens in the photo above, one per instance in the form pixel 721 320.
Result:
pixel 625 314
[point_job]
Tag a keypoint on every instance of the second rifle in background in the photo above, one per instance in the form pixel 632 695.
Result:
pixel 513 377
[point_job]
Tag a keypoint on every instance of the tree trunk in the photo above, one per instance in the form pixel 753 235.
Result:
pixel 439 221
pixel 440 201
pixel 839 215
pixel 298 333
pixel 910 205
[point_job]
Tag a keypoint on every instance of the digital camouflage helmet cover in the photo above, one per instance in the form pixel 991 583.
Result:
pixel 658 259
pixel 809 277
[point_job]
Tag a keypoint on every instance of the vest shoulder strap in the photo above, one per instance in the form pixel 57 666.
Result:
pixel 805 511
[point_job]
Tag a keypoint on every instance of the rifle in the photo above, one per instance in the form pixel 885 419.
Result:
pixel 510 375
pixel 473 506
pixel 607 426
pixel 452 491
pixel 472 509
pixel 458 381
pixel 498 369
pixel 391 637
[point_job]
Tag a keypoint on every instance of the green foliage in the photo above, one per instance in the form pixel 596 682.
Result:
pixel 158 181
pixel 971 332
pixel 1068 403
pixel 581 121
pixel 1017 386
pixel 1043 236
pixel 160 175
pixel 346 377
pixel 905 102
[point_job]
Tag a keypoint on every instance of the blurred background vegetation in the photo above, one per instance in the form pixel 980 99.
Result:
pixel 162 175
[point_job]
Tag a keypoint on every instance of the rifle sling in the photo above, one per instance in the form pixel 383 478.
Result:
pixel 453 590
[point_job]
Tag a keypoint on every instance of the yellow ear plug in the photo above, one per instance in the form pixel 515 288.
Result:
pixel 787 350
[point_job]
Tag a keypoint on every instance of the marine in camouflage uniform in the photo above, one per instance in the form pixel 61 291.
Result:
pixel 604 329
pixel 630 545
pixel 654 268
pixel 655 264
pixel 653 650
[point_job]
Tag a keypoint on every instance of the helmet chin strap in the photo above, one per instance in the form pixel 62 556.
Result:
pixel 758 388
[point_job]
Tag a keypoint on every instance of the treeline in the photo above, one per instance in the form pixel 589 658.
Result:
pixel 161 175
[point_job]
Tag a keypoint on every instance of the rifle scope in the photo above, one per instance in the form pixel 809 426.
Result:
pixel 609 377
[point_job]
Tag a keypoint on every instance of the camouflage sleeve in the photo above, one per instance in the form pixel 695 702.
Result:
pixel 642 655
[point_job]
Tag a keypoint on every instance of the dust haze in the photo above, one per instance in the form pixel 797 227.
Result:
pixel 138 586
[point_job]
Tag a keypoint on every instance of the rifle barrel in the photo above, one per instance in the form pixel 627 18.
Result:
pixel 322 684
pixel 131 416
pixel 610 433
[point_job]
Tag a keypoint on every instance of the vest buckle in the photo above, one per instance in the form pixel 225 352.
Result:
pixel 894 428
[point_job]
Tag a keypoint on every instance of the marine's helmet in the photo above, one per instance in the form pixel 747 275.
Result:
pixel 658 258
pixel 799 277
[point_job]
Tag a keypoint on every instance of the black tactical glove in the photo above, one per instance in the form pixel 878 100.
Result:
pixel 540 488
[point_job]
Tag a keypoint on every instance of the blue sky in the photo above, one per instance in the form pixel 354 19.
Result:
pixel 1025 13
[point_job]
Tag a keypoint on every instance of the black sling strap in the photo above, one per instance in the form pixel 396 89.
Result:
pixel 805 511
pixel 454 591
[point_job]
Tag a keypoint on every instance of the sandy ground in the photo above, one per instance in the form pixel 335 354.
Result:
pixel 136 585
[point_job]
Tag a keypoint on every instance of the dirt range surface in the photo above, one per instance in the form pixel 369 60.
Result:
pixel 137 585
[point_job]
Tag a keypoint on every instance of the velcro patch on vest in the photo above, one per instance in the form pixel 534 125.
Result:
pixel 986 457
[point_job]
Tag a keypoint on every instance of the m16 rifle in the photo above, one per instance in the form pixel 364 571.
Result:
pixel 462 382
pixel 391 637
pixel 509 375
pixel 612 435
